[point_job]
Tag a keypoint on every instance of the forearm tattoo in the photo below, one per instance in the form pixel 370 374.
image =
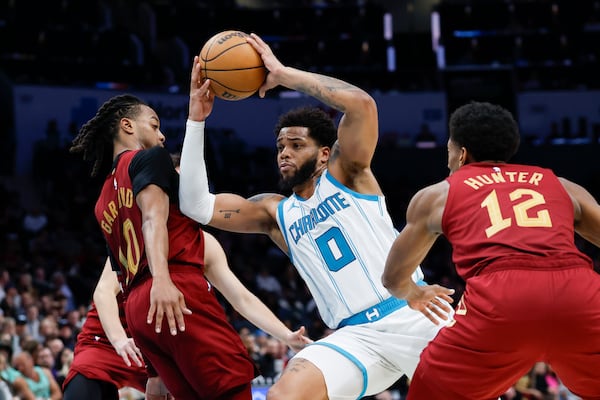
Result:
pixel 228 213
pixel 323 91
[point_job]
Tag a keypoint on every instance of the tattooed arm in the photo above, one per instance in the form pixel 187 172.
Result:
pixel 358 128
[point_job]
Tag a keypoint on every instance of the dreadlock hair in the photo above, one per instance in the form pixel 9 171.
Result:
pixel 320 125
pixel 95 138
pixel 487 131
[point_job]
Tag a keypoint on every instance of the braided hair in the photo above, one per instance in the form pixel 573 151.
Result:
pixel 95 138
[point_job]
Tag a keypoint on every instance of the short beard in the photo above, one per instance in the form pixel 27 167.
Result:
pixel 305 173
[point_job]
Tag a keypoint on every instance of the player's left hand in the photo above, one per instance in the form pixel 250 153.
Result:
pixel 296 340
pixel 128 351
pixel 273 65
pixel 432 301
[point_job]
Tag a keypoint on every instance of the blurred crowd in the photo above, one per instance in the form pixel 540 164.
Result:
pixel 52 252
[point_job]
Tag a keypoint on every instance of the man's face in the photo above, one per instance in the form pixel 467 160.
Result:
pixel 147 128
pixel 22 363
pixel 454 154
pixel 45 358
pixel 297 156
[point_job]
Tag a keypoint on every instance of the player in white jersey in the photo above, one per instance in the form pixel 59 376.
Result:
pixel 335 228
pixel 325 237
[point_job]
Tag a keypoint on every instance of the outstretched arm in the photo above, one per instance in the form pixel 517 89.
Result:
pixel 358 129
pixel 423 226
pixel 247 304
pixel 195 199
pixel 105 300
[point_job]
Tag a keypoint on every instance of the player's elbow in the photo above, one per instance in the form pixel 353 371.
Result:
pixel 186 207
pixel 365 103
pixel 199 211
pixel 386 280
pixel 390 282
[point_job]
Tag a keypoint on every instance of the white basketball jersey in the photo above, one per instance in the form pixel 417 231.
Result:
pixel 339 240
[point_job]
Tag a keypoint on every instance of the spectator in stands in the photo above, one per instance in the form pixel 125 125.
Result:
pixel 56 345
pixel 48 328
pixel 46 359
pixel 60 284
pixel 33 321
pixel 12 300
pixel 14 382
pixel 266 281
pixel 35 220
pixel 39 379
pixel 66 359
pixel 273 358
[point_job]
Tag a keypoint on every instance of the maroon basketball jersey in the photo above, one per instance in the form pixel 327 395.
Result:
pixel 121 219
pixel 506 214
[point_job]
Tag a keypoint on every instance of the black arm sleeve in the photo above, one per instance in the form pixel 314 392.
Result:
pixel 154 166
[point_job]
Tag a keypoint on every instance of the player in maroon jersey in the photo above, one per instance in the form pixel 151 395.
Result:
pixel 106 358
pixel 530 294
pixel 160 257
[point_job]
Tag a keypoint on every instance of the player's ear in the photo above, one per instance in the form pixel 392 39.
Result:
pixel 463 158
pixel 324 154
pixel 126 125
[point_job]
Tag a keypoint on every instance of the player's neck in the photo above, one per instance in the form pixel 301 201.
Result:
pixel 307 189
pixel 120 146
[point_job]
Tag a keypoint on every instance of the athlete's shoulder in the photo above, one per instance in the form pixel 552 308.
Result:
pixel 267 198
pixel 155 154
pixel 269 202
pixel 430 194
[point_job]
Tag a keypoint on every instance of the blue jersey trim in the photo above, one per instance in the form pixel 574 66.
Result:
pixel 282 224
pixel 376 312
pixel 336 183
pixel 354 360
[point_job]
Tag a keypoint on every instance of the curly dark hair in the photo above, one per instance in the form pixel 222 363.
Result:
pixel 488 131
pixel 95 138
pixel 320 125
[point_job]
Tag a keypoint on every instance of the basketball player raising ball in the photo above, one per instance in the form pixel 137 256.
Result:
pixel 336 230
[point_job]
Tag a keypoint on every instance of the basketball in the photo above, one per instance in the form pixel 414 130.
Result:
pixel 234 68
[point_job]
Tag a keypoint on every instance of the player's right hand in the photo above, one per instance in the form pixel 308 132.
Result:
pixel 202 98
pixel 432 301
pixel 167 300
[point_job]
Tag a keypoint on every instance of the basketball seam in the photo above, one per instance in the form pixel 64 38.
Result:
pixel 230 88
pixel 222 52
pixel 233 69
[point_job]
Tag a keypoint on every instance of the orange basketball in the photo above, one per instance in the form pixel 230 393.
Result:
pixel 234 68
